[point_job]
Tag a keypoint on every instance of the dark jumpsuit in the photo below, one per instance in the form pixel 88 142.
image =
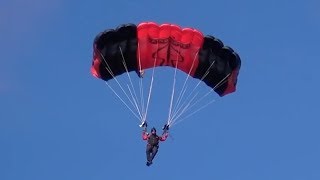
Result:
pixel 153 144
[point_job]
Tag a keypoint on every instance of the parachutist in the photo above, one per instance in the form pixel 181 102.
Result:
pixel 205 58
pixel 153 143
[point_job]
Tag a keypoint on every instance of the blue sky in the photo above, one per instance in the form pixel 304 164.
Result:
pixel 59 122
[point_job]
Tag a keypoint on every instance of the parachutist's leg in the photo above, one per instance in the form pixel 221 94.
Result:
pixel 148 152
pixel 154 152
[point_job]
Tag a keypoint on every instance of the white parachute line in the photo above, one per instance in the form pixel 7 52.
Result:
pixel 139 57
pixel 191 114
pixel 111 73
pixel 151 85
pixel 186 106
pixel 218 85
pixel 123 102
pixel 176 107
pixel 141 85
pixel 135 102
pixel 221 82
pixel 205 75
pixel 172 95
pixel 199 100
pixel 142 98
pixel 185 109
pixel 133 95
pixel 186 99
pixel 149 95
pixel 184 88
pixel 107 66
pixel 173 85
pixel 176 116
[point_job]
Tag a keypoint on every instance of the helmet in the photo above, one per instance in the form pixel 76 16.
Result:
pixel 153 129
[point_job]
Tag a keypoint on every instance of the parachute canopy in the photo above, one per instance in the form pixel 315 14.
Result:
pixel 149 45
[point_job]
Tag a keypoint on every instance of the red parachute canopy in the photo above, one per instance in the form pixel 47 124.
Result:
pixel 149 45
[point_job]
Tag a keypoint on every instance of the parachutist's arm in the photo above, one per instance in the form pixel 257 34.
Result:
pixel 144 130
pixel 164 136
pixel 144 135
pixel 165 133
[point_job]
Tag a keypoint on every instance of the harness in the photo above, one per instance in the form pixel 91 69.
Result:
pixel 153 140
